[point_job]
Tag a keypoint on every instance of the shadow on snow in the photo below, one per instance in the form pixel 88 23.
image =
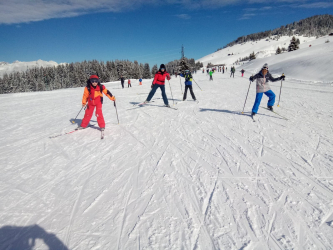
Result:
pixel 13 237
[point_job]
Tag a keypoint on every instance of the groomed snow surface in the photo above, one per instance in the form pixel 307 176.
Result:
pixel 200 177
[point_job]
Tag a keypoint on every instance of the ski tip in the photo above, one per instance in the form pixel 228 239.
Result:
pixel 278 105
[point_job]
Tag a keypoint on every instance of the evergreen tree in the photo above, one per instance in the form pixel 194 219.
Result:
pixel 293 44
pixel 252 56
pixel 278 51
pixel 146 72
pixel 154 69
pixel 183 65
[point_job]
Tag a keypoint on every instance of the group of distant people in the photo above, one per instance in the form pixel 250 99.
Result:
pixel 122 81
pixel 223 69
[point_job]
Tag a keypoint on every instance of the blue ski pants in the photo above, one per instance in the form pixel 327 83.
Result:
pixel 271 100
pixel 153 90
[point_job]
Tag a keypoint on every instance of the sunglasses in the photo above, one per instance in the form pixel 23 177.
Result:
pixel 93 80
pixel 265 68
pixel 162 68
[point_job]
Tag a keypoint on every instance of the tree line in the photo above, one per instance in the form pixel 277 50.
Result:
pixel 71 75
pixel 315 26
pixel 76 74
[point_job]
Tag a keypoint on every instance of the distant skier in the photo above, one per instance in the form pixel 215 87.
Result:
pixel 122 80
pixel 211 75
pixel 207 71
pixel 93 94
pixel 263 88
pixel 232 71
pixel 223 69
pixel 242 71
pixel 129 83
pixel 159 82
pixel 188 84
pixel 140 81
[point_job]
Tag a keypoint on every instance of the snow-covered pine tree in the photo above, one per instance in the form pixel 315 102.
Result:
pixel 146 72
pixel 154 69
pixel 278 51
pixel 293 45
pixel 183 65
pixel 252 56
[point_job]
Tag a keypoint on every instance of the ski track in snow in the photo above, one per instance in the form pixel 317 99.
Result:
pixel 204 176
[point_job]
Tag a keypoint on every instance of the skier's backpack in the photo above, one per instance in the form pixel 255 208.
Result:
pixel 188 77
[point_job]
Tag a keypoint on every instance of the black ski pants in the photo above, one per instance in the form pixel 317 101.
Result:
pixel 130 85
pixel 122 84
pixel 191 91
pixel 232 74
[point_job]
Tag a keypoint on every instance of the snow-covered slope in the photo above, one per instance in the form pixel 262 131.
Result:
pixel 308 63
pixel 200 177
pixel 23 66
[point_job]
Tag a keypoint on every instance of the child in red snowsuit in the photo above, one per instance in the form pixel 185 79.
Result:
pixel 129 83
pixel 93 94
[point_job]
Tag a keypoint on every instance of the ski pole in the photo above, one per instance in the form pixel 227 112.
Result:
pixel 197 84
pixel 79 113
pixel 180 82
pixel 280 92
pixel 246 97
pixel 171 93
pixel 116 110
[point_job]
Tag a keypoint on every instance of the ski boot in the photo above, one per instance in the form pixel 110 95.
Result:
pixel 79 128
pixel 270 108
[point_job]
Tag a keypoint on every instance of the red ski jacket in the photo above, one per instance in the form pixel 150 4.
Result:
pixel 160 77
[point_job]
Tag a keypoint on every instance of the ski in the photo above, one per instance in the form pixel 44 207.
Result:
pixel 275 113
pixel 142 103
pixel 171 108
pixel 70 132
pixel 189 101
pixel 102 135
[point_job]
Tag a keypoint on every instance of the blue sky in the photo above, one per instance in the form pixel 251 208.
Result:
pixel 147 31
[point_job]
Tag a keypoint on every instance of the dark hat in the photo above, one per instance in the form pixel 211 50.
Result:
pixel 162 66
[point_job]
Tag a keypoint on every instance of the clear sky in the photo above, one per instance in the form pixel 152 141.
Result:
pixel 147 31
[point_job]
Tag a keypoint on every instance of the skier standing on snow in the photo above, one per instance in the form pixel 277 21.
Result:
pixel 263 88
pixel 122 80
pixel 129 83
pixel 232 71
pixel 159 82
pixel 223 69
pixel 188 84
pixel 242 71
pixel 140 81
pixel 211 75
pixel 93 94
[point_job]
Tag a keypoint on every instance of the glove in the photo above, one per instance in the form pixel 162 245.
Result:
pixel 282 77
pixel 251 79
pixel 152 85
pixel 83 105
pixel 113 98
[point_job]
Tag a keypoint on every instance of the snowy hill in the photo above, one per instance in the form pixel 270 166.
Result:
pixel 200 177
pixel 308 63
pixel 23 66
